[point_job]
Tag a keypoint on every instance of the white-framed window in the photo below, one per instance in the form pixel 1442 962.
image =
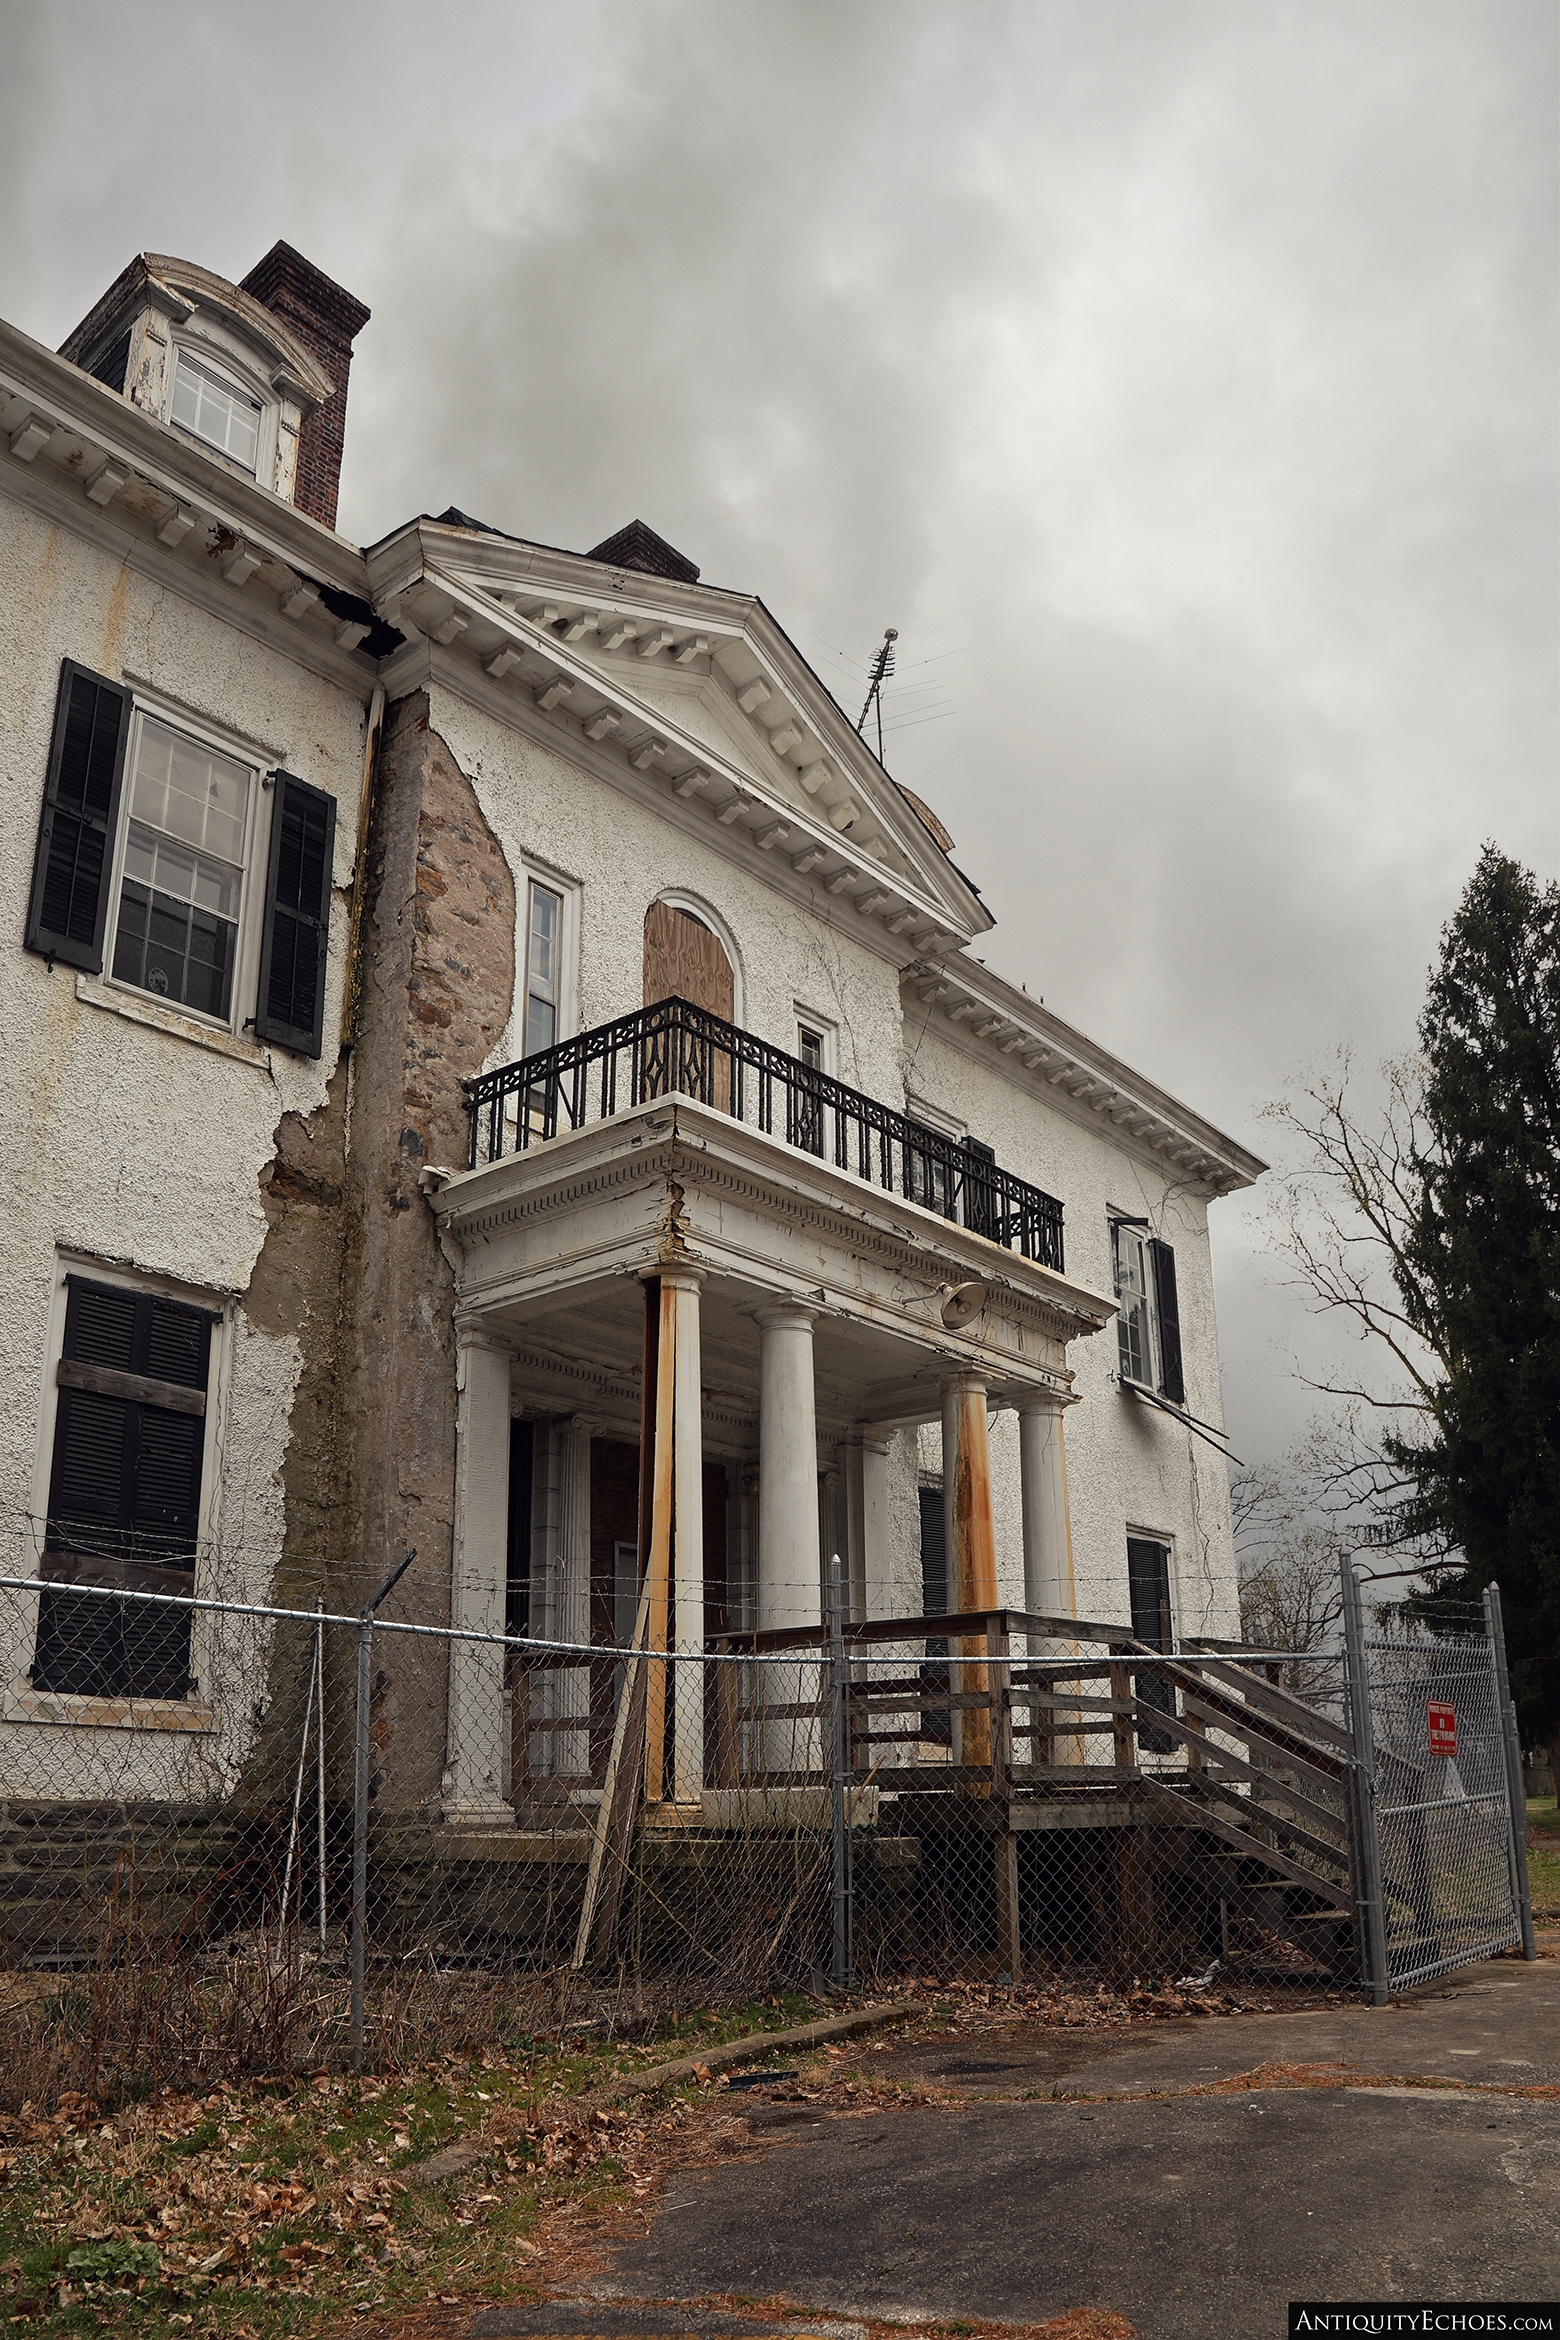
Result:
pixel 816 1047
pixel 1148 1324
pixel 929 1172
pixel 216 390
pixel 543 965
pixel 547 954
pixel 215 409
pixel 546 1006
pixel 181 885
pixel 178 868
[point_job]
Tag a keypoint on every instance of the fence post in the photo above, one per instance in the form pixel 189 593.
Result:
pixel 839 1782
pixel 1367 1863
pixel 1521 1890
pixel 365 1688
pixel 365 1681
pixel 319 1754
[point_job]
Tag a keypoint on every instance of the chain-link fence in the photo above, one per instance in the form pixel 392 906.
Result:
pixel 269 1830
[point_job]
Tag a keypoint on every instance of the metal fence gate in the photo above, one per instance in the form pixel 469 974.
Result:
pixel 1441 1877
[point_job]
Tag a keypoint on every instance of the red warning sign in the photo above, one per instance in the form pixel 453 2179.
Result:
pixel 1443 1728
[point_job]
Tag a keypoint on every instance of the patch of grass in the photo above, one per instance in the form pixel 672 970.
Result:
pixel 279 2205
pixel 1543 1819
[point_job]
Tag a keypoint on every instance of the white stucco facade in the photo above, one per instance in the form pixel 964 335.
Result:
pixel 136 1135
pixel 627 738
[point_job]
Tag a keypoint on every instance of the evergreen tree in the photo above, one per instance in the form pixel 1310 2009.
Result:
pixel 1479 1275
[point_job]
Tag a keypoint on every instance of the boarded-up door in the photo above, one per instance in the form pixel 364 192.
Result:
pixel 684 960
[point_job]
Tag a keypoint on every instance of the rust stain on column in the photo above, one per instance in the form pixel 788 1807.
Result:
pixel 975 1559
pixel 660 1544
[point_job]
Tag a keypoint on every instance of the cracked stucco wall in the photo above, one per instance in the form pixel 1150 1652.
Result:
pixel 136 1145
pixel 438 980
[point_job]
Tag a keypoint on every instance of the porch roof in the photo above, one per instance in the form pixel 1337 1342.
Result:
pixel 552 1240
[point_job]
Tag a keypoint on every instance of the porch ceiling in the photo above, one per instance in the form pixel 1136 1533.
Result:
pixel 552 1244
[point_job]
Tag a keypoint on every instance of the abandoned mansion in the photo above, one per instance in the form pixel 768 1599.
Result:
pixel 499 1071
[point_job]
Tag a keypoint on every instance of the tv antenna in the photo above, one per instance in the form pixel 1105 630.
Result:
pixel 881 668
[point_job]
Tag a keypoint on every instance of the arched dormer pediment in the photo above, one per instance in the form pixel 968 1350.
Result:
pixel 209 360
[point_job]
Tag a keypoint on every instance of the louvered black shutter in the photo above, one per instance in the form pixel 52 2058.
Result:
pixel 114 363
pixel 291 1005
pixel 1172 1381
pixel 68 909
pixel 124 1499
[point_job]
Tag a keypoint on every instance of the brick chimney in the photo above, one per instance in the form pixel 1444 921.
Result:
pixel 327 320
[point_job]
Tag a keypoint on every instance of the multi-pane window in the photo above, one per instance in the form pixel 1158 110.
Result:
pixel 542 965
pixel 215 411
pixel 1134 1332
pixel 176 933
pixel 928 1170
pixel 808 1133
pixel 1148 1321
pixel 982 1209
pixel 148 839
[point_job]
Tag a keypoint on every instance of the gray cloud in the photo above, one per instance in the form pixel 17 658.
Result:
pixel 1187 371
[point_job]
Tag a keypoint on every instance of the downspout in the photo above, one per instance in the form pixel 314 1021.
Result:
pixel 352 989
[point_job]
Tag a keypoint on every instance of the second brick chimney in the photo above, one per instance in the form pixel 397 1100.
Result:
pixel 327 320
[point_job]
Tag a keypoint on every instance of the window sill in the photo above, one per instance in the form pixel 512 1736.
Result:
pixel 183 1716
pixel 97 993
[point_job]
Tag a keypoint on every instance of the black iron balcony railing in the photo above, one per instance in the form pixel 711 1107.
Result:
pixel 675 1047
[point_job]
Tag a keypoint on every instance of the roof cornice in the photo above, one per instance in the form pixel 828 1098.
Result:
pixel 984 1016
pixel 101 466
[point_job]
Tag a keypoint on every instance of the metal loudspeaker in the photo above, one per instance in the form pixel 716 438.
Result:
pixel 962 1303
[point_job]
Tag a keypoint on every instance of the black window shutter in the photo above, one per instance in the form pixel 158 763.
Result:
pixel 114 363
pixel 291 1005
pixel 68 908
pixel 1172 1381
pixel 124 1495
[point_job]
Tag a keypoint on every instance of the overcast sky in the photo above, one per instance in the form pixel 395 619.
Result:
pixel 1179 376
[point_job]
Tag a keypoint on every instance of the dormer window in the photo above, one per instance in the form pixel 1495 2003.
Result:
pixel 253 373
pixel 216 412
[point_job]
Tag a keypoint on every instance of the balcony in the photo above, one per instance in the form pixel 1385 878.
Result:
pixel 675 1048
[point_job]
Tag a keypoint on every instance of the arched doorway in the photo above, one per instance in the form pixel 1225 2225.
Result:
pixel 685 959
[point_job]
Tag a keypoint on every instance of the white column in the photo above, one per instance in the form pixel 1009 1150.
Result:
pixel 474 1737
pixel 1042 1466
pixel 789 1584
pixel 950 1472
pixel 788 1565
pixel 571 1749
pixel 866 1530
pixel 687 1536
pixel 1048 1562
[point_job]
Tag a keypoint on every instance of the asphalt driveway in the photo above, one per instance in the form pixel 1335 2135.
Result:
pixel 1081 2170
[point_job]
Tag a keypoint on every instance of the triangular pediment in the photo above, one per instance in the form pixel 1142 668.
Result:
pixel 701 687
